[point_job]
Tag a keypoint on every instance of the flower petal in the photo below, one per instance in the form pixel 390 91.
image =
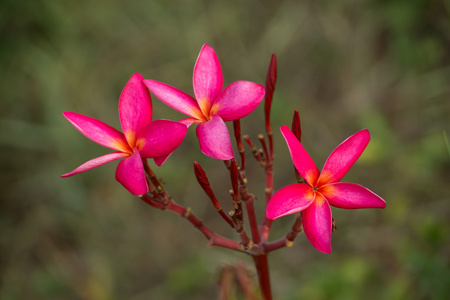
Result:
pixel 160 137
pixel 301 159
pixel 130 173
pixel 207 79
pixel 175 98
pixel 343 157
pixel 96 162
pixel 238 100
pixel 289 200
pixel 189 121
pixel 99 132
pixel 317 223
pixel 214 139
pixel 135 108
pixel 351 195
pixel 161 159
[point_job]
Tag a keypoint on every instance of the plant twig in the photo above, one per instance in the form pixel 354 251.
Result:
pixel 155 181
pixel 234 176
pixel 271 80
pixel 240 146
pixel 185 212
pixel 255 151
pixel 249 200
pixel 288 239
pixel 204 183
pixel 264 145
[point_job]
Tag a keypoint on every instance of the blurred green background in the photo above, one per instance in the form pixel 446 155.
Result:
pixel 345 65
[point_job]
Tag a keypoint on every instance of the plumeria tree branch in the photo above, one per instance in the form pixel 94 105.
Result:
pixel 210 107
pixel 185 212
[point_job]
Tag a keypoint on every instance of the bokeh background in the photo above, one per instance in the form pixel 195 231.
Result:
pixel 345 65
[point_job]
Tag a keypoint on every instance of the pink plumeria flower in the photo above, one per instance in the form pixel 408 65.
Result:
pixel 142 137
pixel 212 106
pixel 322 189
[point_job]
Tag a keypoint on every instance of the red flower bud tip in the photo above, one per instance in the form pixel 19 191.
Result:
pixel 296 126
pixel 271 79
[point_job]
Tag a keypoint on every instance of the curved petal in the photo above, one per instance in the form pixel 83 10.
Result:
pixel 175 98
pixel 301 159
pixel 351 195
pixel 130 173
pixel 207 79
pixel 214 139
pixel 96 162
pixel 161 159
pixel 317 223
pixel 343 157
pixel 289 200
pixel 238 100
pixel 160 137
pixel 135 108
pixel 189 121
pixel 99 132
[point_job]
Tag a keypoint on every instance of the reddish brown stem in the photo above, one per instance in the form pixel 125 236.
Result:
pixel 271 80
pixel 234 175
pixel 255 151
pixel 185 212
pixel 288 239
pixel 155 181
pixel 237 204
pixel 152 190
pixel 267 223
pixel 239 226
pixel 264 145
pixel 153 201
pixel 240 146
pixel 262 269
pixel 249 200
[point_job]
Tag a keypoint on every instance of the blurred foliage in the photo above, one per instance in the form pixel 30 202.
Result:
pixel 345 65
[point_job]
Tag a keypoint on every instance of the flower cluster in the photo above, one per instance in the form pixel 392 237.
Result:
pixel 210 108
pixel 143 138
